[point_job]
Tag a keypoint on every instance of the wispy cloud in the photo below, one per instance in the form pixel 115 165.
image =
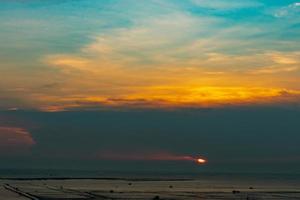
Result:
pixel 227 5
pixel 15 140
pixel 287 11
pixel 182 69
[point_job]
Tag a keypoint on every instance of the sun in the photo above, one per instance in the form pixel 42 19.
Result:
pixel 201 161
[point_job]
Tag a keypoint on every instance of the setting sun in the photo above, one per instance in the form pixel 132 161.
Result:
pixel 201 161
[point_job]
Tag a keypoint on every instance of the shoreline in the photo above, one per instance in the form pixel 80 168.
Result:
pixel 90 178
pixel 144 189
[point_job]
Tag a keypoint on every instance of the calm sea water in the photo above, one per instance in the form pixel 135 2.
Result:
pixel 153 175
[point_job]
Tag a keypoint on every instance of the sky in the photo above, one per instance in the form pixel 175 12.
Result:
pixel 136 81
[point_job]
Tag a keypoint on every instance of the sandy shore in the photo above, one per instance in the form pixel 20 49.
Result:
pixel 145 189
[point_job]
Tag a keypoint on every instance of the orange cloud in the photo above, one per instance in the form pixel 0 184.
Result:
pixel 15 139
pixel 152 156
pixel 178 97
pixel 104 81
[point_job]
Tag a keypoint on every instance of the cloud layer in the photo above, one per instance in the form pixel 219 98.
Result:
pixel 159 54
pixel 14 140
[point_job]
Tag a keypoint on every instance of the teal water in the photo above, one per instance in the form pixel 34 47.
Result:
pixel 142 175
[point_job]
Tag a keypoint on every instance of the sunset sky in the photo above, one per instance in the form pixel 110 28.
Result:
pixel 92 79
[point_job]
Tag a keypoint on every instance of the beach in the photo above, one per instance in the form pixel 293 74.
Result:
pixel 142 189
